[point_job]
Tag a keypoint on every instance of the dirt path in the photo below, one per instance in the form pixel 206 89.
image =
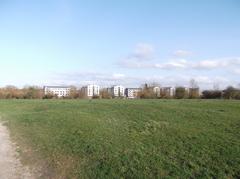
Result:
pixel 10 165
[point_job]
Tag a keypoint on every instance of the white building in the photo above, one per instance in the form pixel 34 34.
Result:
pixel 172 91
pixel 116 91
pixel 157 91
pixel 90 91
pixel 60 91
pixel 132 93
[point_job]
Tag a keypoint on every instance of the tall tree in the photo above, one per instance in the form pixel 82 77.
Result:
pixel 193 83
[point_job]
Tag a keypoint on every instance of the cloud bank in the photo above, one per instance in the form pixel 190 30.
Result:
pixel 109 79
pixel 141 60
pixel 175 71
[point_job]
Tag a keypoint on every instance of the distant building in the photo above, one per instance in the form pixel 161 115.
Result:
pixel 167 92
pixel 116 91
pixel 157 91
pixel 90 91
pixel 132 93
pixel 60 91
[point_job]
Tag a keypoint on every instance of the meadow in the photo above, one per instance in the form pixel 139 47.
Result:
pixel 127 138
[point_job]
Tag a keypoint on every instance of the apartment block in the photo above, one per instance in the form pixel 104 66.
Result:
pixel 60 91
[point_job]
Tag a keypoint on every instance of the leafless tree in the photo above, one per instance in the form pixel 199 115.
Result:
pixel 104 94
pixel 193 91
pixel 193 83
pixel 216 86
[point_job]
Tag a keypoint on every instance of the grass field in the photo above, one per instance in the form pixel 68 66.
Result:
pixel 128 138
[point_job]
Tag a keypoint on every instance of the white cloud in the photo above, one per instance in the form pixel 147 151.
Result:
pixel 109 79
pixel 207 64
pixel 118 75
pixel 143 58
pixel 229 63
pixel 134 64
pixel 182 53
pixel 142 54
pixel 176 64
pixel 143 51
pixel 237 71
pixel 84 78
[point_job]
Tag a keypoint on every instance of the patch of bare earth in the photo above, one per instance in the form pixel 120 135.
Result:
pixel 10 164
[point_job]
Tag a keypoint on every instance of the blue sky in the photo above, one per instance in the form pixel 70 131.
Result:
pixel 76 42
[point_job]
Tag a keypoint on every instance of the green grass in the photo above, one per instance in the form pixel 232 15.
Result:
pixel 129 138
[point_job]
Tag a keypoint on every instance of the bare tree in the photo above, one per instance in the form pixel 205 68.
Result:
pixel 193 91
pixel 104 94
pixel 193 83
pixel 74 92
pixel 147 92
pixel 32 92
pixel 216 86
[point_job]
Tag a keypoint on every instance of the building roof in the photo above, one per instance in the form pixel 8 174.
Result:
pixel 56 87
pixel 135 88
pixel 90 85
pixel 167 87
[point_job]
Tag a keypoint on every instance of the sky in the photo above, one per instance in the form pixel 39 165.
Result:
pixel 127 42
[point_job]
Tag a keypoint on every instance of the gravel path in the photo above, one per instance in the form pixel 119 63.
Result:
pixel 10 165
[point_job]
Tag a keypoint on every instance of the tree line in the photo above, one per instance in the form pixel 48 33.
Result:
pixel 148 91
pixel 190 93
pixel 12 92
pixel 229 93
pixel 36 92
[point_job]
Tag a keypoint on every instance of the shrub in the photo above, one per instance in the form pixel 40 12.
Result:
pixel 211 94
